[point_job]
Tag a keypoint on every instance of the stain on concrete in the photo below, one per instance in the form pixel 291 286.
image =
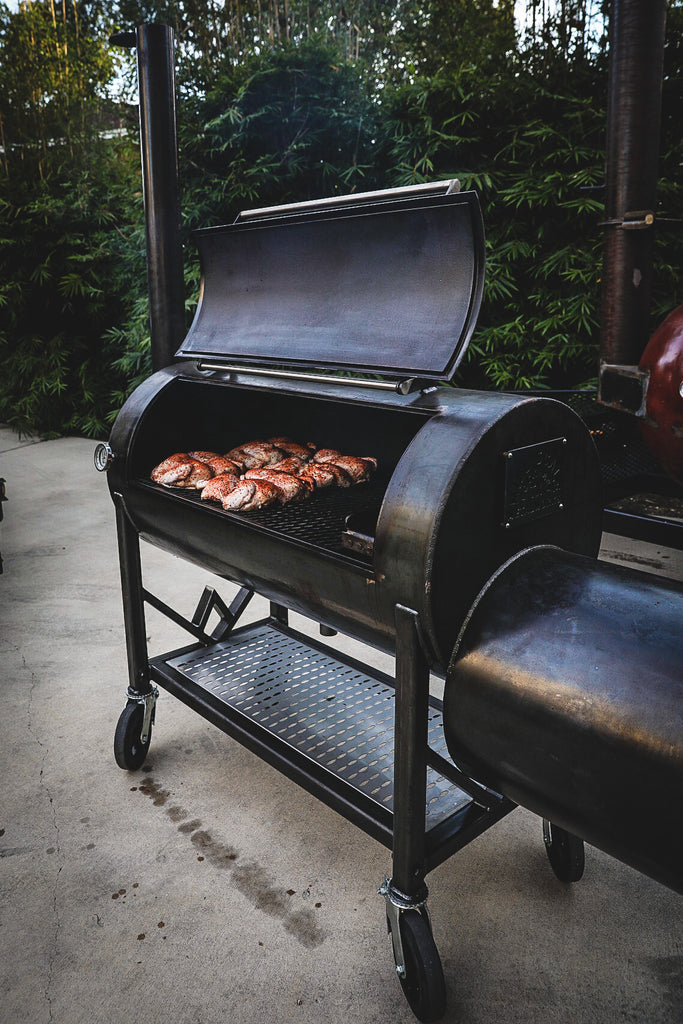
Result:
pixel 176 813
pixel 220 855
pixel 668 971
pixel 153 790
pixel 190 826
pixel 251 879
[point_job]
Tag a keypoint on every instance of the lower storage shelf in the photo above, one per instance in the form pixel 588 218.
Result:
pixel 325 720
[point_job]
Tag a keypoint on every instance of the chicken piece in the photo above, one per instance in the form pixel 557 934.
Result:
pixel 291 488
pixel 249 495
pixel 254 454
pixel 266 493
pixel 219 486
pixel 285 444
pixel 320 474
pixel 293 465
pixel 326 455
pixel 203 456
pixel 175 467
pixel 342 478
pixel 180 470
pixel 219 464
pixel 198 476
pixel 358 469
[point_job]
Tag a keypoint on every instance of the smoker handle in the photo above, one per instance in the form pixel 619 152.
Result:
pixel 446 187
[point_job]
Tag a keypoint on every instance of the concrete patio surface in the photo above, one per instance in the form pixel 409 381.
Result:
pixel 208 888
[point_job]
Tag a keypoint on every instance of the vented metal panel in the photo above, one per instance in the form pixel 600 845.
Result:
pixel 324 707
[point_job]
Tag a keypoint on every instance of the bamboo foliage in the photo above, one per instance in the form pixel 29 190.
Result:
pixel 283 100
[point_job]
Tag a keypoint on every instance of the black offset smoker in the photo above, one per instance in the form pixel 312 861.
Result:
pixel 466 482
pixel 335 321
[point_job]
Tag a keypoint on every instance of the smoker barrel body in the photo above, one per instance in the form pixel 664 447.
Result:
pixel 565 694
pixel 446 509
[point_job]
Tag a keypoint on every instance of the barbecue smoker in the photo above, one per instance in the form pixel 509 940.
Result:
pixel 470 553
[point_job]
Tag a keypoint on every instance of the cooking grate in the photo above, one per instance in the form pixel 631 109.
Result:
pixel 320 705
pixel 318 521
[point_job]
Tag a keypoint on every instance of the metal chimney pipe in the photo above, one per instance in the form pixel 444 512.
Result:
pixel 159 149
pixel 632 156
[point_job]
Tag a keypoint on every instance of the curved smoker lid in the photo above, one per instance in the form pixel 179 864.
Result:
pixel 391 288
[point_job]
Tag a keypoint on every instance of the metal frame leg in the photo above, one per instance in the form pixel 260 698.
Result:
pixel 279 612
pixel 406 890
pixel 410 757
pixel 133 603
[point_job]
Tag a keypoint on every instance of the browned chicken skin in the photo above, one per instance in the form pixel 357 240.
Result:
pixel 285 444
pixel 254 454
pixel 291 488
pixel 292 464
pixel 319 474
pixel 249 495
pixel 220 486
pixel 181 470
pixel 326 455
pixel 219 464
pixel 358 469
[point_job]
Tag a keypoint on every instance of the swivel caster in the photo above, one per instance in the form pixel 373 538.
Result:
pixel 134 731
pixel 565 852
pixel 417 960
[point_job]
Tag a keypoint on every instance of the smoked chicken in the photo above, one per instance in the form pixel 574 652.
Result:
pixel 256 474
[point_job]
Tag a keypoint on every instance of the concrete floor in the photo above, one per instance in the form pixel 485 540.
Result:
pixel 207 888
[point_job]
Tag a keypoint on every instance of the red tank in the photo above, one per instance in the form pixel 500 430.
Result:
pixel 662 427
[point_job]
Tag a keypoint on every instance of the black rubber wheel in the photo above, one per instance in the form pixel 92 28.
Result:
pixel 130 752
pixel 565 852
pixel 423 983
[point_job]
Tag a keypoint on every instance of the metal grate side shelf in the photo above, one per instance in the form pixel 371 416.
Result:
pixel 323 718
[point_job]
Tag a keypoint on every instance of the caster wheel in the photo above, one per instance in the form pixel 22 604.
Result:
pixel 565 852
pixel 129 751
pixel 423 983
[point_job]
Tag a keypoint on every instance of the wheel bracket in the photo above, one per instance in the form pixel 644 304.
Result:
pixel 397 903
pixel 148 701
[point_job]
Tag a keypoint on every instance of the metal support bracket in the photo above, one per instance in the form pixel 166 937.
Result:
pixel 229 614
pixel 149 703
pixel 397 903
pixel 633 220
pixel 207 602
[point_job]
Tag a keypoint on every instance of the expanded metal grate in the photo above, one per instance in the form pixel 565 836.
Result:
pixel 318 521
pixel 320 705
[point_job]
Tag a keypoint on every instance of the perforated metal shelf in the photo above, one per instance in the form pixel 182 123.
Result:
pixel 323 707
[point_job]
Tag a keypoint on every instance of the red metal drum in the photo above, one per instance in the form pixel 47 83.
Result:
pixel 662 427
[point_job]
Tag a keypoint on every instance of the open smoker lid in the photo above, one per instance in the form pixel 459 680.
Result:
pixel 384 283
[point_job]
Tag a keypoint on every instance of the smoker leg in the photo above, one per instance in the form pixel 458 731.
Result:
pixel 417 959
pixel 279 612
pixel 134 727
